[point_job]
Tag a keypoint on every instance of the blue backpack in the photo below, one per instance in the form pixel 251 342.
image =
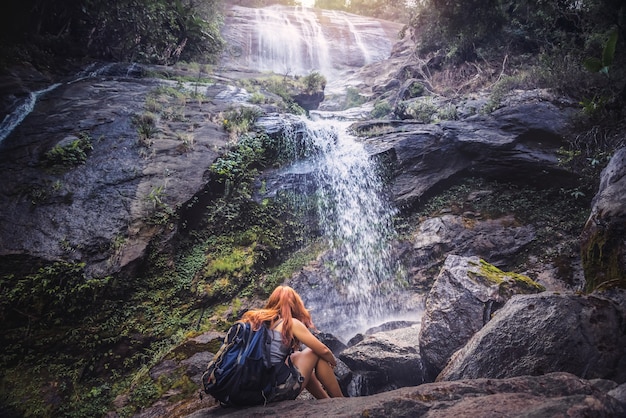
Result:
pixel 241 372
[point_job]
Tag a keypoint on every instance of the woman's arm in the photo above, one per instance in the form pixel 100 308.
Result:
pixel 302 333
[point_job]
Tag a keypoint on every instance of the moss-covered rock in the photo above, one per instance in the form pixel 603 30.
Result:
pixel 603 241
pixel 508 283
pixel 464 297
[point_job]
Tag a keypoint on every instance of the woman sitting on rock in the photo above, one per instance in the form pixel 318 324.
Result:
pixel 290 323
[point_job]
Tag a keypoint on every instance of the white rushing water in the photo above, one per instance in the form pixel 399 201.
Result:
pixel 289 43
pixel 357 222
pixel 299 40
pixel 13 119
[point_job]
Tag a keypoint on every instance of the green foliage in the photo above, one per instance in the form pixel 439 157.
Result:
pixel 294 263
pixel 608 55
pixel 415 90
pixel 594 108
pixel 53 292
pixel 146 127
pixel 353 98
pixel 241 119
pixel 381 110
pixel 151 31
pixel 145 393
pixel 314 82
pixel 423 110
pixel 258 98
pixel 237 168
pixel 70 155
pixel 447 112
pixel 500 89
pixel 286 88
pixel 456 26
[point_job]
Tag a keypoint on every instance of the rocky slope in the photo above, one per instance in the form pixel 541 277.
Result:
pixel 109 209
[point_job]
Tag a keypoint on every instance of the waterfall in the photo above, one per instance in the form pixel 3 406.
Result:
pixel 353 214
pixel 13 119
pixel 299 40
pixel 24 107
pixel 289 42
pixel 356 220
pixel 358 39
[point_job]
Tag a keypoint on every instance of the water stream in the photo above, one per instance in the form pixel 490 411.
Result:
pixel 288 43
pixel 21 110
pixel 363 288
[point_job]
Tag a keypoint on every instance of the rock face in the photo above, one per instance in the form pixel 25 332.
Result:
pixel 103 212
pixel 538 334
pixel 465 295
pixel 603 240
pixel 556 394
pixel 507 145
pixel 496 240
pixel 384 361
pixel 517 143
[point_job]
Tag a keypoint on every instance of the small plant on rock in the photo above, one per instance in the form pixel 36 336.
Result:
pixel 146 127
pixel 71 154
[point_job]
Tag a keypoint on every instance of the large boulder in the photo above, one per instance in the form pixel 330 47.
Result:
pixel 465 295
pixel 384 361
pixel 544 333
pixel 603 240
pixel 557 394
pixel 496 240
pixel 516 143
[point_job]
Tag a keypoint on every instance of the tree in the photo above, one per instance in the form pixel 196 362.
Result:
pixel 152 31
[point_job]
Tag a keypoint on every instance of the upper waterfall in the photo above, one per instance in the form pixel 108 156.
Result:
pixel 299 40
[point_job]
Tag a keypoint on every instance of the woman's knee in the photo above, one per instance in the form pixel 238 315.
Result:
pixel 305 361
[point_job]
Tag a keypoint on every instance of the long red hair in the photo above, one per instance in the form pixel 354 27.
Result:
pixel 284 303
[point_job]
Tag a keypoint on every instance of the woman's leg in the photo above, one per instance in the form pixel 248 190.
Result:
pixel 305 361
pixel 315 388
pixel 326 376
pixel 317 374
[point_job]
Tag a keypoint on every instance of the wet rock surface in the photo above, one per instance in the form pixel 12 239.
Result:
pixel 556 394
pixel 77 212
pixel 603 240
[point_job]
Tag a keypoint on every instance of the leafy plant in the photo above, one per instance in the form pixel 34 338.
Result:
pixel 52 291
pixel 353 98
pixel 155 197
pixel 70 155
pixel 422 110
pixel 602 65
pixel 314 82
pixel 146 127
pixel 240 120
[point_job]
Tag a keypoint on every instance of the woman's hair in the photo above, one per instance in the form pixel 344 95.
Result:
pixel 283 303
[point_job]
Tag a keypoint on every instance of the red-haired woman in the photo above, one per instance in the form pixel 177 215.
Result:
pixel 290 323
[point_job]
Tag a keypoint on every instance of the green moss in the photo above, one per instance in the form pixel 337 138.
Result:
pixel 506 280
pixel 601 260
pixel 294 263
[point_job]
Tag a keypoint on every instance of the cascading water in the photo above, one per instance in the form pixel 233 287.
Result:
pixel 13 119
pixel 357 223
pixel 22 109
pixel 353 215
pixel 299 40
pixel 289 42
pixel 359 288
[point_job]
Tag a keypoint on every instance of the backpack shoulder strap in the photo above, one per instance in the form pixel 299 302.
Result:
pixel 277 323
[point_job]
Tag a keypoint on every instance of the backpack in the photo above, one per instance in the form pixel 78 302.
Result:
pixel 241 372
